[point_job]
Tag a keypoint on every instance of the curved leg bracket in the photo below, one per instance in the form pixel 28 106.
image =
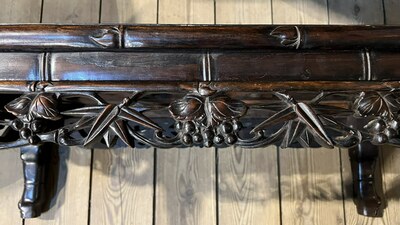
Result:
pixel 38 187
pixel 367 180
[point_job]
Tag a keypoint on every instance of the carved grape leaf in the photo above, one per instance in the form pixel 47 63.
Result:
pixel 209 110
pixel 190 107
pixel 223 107
pixel 20 106
pixel 43 105
pixel 376 104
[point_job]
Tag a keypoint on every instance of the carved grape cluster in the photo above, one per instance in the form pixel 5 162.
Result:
pixel 382 130
pixel 194 133
pixel 28 130
pixel 208 117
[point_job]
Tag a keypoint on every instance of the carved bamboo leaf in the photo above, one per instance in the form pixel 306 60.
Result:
pixel 287 138
pixel 100 126
pixel 120 129
pixel 307 115
pixel 293 131
pixel 44 106
pixel 279 117
pixel 85 111
pixel 376 104
pixel 20 106
pixel 131 115
pixel 223 107
pixel 305 139
pixel 109 138
pixel 84 122
pixel 188 108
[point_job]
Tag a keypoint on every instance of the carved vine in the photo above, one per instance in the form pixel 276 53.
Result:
pixel 203 117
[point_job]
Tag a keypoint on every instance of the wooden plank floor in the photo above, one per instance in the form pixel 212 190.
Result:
pixel 211 186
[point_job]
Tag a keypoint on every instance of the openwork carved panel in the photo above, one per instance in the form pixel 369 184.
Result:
pixel 205 115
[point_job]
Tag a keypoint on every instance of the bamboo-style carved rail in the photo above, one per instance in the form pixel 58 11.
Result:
pixel 179 86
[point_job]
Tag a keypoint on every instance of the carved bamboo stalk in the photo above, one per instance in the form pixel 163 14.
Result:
pixel 98 37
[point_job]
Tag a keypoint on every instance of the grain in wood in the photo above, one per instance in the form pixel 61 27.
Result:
pixel 186 11
pixel 11 185
pixel 299 11
pixel 185 192
pixel 71 11
pixel 355 12
pixel 129 11
pixel 243 12
pixel 248 187
pixel 122 186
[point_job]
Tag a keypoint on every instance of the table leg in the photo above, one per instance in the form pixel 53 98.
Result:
pixel 367 180
pixel 38 168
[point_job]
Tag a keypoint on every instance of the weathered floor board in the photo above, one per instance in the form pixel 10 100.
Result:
pixel 311 186
pixel 185 192
pixel 72 203
pixel 243 12
pixel 11 177
pixel 392 9
pixel 248 187
pixel 21 11
pixel 186 12
pixel 122 186
pixel 299 12
pixel 391 184
pixel 355 12
pixel 129 11
pixel 11 185
pixel 71 11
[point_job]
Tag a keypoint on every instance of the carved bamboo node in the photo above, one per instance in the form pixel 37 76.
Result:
pixel 289 36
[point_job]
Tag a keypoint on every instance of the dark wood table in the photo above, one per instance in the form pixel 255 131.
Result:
pixel 179 86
